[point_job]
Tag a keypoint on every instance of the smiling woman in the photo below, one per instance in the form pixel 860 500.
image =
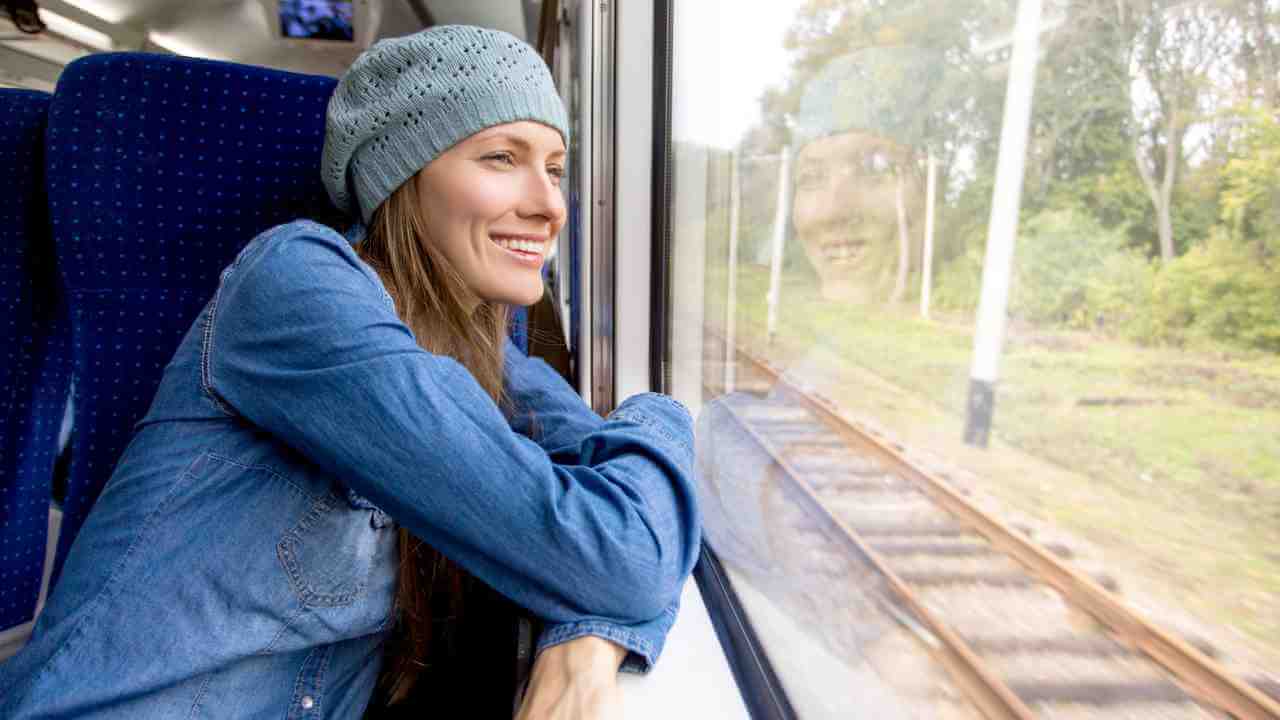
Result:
pixel 360 444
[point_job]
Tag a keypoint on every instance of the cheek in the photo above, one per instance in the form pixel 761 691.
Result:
pixel 465 202
pixel 813 208
pixel 802 214
pixel 487 197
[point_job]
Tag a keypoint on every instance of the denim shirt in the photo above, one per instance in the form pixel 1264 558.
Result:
pixel 241 561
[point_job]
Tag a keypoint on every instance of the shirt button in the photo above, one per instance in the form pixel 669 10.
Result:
pixel 308 702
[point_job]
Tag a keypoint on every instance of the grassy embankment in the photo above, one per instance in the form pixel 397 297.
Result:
pixel 1167 460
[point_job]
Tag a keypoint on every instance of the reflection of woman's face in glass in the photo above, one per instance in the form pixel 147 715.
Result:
pixel 845 214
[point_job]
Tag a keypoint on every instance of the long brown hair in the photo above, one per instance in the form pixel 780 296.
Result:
pixel 432 299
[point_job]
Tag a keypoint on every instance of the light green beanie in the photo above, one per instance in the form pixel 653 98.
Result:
pixel 406 100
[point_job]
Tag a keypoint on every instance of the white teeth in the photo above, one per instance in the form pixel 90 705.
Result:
pixel 528 246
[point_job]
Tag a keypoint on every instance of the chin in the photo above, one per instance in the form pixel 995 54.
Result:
pixel 845 290
pixel 522 293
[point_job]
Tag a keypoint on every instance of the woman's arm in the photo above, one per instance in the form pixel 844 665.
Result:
pixel 551 413
pixel 301 343
pixel 544 408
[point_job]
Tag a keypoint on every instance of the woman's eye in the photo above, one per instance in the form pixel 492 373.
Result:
pixel 556 172
pixel 505 158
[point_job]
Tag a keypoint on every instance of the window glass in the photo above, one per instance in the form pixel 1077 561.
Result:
pixel 836 189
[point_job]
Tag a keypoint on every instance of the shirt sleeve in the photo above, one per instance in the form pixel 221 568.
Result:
pixel 301 343
pixel 547 410
pixel 544 408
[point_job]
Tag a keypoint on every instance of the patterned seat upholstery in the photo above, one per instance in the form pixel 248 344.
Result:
pixel 160 169
pixel 34 375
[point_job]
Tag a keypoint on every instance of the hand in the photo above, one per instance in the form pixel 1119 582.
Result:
pixel 575 680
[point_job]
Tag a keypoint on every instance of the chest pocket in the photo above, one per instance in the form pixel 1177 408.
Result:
pixel 330 553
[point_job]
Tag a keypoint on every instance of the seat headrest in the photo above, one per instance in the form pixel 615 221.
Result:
pixel 160 168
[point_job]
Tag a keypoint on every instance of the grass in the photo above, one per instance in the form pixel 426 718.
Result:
pixel 1167 460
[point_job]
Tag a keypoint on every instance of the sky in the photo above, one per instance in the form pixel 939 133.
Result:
pixel 726 54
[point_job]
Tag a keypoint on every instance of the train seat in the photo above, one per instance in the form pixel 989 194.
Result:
pixel 34 374
pixel 160 169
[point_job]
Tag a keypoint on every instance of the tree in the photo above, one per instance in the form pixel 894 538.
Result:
pixel 1250 182
pixel 1149 79
pixel 1166 60
pixel 1259 22
pixel 1177 52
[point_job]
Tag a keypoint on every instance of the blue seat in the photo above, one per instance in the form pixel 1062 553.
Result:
pixel 34 373
pixel 519 328
pixel 160 169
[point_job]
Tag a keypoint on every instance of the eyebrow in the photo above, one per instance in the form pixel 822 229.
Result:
pixel 517 140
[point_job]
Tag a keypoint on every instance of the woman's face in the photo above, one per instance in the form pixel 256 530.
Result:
pixel 844 210
pixel 493 206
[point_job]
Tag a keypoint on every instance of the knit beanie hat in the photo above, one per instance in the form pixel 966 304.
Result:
pixel 884 91
pixel 406 100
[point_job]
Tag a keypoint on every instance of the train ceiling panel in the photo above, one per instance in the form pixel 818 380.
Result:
pixel 242 31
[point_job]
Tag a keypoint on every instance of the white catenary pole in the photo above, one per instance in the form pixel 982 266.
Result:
pixel 1003 227
pixel 780 219
pixel 731 309
pixel 926 271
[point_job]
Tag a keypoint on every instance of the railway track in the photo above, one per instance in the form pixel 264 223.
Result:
pixel 1021 634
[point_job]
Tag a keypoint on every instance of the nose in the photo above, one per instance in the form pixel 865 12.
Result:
pixel 542 199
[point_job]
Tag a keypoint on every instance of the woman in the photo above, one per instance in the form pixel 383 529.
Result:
pixel 342 400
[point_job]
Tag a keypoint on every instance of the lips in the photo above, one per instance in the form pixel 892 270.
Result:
pixel 529 248
pixel 843 250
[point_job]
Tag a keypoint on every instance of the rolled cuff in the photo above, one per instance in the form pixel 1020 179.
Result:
pixel 643 641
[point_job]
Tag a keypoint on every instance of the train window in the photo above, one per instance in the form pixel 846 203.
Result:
pixel 978 305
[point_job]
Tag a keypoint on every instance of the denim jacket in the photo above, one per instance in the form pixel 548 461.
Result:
pixel 241 561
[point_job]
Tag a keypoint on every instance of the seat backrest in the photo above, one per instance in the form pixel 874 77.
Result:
pixel 34 372
pixel 160 169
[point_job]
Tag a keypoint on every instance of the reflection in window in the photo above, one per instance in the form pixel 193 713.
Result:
pixel 1136 432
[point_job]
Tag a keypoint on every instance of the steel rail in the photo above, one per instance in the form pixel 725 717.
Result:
pixel 1202 677
pixel 991 695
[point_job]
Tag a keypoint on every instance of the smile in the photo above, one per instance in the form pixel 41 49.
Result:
pixel 528 249
pixel 843 251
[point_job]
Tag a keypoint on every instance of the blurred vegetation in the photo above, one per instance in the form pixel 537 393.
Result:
pixel 1151 200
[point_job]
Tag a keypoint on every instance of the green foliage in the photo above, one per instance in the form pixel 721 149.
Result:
pixel 1118 296
pixel 1070 272
pixel 1195 207
pixel 1222 290
pixel 958 256
pixel 1115 197
pixel 1251 181
pixel 1058 252
pixel 959 283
